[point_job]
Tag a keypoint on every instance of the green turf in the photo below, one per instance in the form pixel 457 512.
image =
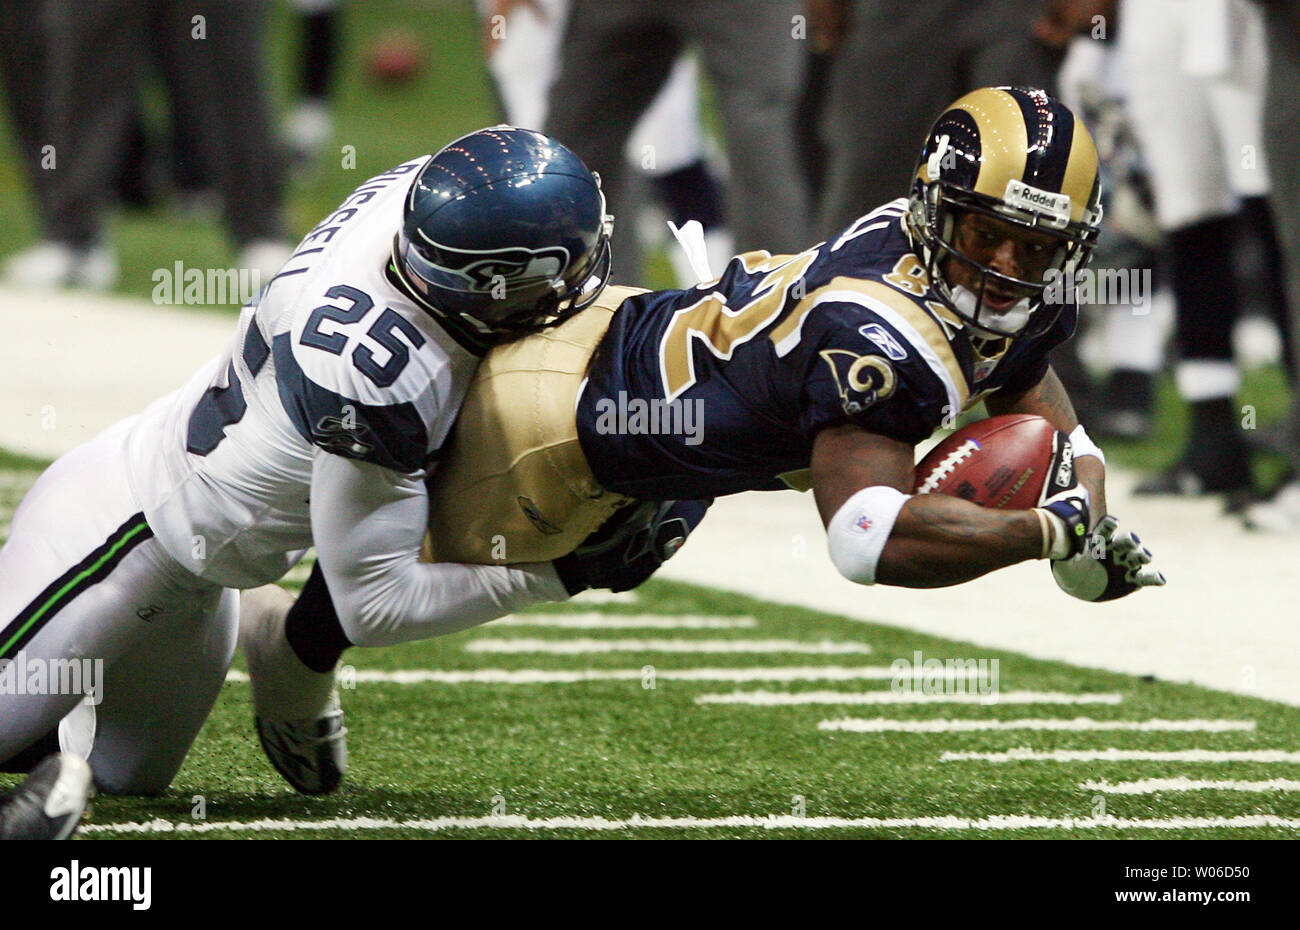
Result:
pixel 615 749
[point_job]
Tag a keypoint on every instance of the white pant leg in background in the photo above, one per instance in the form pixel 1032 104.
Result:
pixel 667 138
pixel 523 64
pixel 1195 87
pixel 82 579
pixel 1236 98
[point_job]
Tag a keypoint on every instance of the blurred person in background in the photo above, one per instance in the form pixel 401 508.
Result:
pixel 309 125
pixel 73 139
pixel 616 57
pixel 1133 324
pixel 1281 511
pixel 897 63
pixel 666 146
pixel 1195 72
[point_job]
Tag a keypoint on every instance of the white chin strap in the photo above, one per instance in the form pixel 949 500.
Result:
pixel 1010 320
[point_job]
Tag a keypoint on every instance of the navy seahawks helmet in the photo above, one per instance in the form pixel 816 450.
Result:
pixel 1020 156
pixel 504 233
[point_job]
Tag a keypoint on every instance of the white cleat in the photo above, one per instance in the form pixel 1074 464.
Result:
pixel 48 265
pixel 296 710
pixel 47 805
pixel 1278 514
pixel 263 259
pixel 311 753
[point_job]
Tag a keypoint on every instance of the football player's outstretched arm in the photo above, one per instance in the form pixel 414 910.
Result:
pixel 858 479
pixel 368 523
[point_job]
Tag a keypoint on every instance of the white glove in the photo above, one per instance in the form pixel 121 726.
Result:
pixel 1112 564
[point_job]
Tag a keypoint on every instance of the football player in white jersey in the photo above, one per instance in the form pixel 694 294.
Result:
pixel 316 426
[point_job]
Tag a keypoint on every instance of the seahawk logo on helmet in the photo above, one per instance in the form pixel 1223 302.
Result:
pixel 504 232
pixel 509 267
pixel 1018 155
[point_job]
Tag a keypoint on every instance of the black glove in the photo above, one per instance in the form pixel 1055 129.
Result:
pixel 630 546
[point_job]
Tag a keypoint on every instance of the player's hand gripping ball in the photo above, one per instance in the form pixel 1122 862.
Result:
pixel 1018 461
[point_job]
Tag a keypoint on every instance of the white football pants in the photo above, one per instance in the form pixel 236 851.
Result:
pixel 1196 71
pixel 83 580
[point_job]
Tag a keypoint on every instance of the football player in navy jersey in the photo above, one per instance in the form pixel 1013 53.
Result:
pixel 317 425
pixel 822 369
pixel 599 443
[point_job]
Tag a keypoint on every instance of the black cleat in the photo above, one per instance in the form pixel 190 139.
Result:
pixel 48 805
pixel 1183 480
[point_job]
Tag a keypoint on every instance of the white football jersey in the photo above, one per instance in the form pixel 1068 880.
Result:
pixel 331 355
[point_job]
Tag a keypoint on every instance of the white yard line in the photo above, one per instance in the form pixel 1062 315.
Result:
pixel 1183 783
pixel 884 725
pixel 600 621
pixel 570 647
pixel 597 596
pixel 535 676
pixel 787 698
pixel 783 822
pixel 1126 755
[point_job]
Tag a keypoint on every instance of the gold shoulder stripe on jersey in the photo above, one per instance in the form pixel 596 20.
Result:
pixel 924 324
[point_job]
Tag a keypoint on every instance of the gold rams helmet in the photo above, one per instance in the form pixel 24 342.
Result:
pixel 1018 155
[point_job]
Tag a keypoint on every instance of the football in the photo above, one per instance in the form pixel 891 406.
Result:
pixel 1000 462
pixel 395 57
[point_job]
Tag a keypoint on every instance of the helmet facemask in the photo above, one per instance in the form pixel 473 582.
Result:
pixel 935 211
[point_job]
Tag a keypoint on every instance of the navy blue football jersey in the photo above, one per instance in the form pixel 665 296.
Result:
pixel 723 387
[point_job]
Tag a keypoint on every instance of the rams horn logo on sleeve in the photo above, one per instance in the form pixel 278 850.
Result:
pixel 861 379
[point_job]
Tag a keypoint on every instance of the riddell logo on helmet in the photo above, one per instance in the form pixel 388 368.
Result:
pixel 1020 194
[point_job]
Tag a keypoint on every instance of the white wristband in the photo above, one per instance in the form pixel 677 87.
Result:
pixel 859 530
pixel 1056 535
pixel 1083 444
